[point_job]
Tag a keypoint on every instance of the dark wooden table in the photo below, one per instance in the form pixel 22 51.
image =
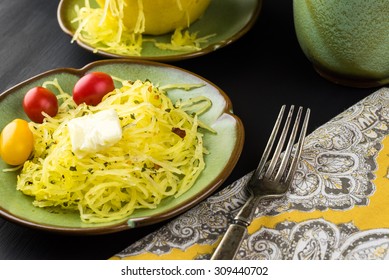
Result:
pixel 261 71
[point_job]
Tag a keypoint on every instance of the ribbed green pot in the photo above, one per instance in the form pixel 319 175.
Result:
pixel 346 40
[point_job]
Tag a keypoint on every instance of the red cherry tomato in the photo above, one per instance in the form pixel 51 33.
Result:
pixel 92 87
pixel 38 100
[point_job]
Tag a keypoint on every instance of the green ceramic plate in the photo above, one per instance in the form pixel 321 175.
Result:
pixel 225 147
pixel 227 19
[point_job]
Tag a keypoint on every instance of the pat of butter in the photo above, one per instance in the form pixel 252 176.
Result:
pixel 93 133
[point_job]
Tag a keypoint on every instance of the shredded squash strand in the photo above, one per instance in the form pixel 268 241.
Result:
pixel 161 154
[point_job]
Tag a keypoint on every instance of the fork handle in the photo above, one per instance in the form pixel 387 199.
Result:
pixel 230 243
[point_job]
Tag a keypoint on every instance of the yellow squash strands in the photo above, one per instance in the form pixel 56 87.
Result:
pixel 103 28
pixel 160 155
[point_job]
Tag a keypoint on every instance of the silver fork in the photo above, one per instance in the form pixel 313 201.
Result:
pixel 270 183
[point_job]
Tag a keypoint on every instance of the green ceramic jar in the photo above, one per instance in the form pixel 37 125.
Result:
pixel 347 41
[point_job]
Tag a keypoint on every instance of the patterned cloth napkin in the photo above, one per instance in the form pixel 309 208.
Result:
pixel 337 208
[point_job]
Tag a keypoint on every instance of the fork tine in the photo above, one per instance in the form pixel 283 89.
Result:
pixel 269 144
pixel 288 150
pixel 299 148
pixel 280 144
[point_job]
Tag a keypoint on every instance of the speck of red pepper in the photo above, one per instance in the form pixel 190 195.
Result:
pixel 179 132
pixel 156 166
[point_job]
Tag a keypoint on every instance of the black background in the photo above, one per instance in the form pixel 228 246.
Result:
pixel 261 71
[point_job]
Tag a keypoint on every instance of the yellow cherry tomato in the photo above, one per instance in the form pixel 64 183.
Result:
pixel 16 142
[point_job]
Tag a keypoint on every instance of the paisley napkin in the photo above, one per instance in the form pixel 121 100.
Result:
pixel 337 208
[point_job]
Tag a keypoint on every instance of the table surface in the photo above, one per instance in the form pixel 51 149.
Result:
pixel 261 71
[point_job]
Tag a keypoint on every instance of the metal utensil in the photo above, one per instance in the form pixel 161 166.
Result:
pixel 269 180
